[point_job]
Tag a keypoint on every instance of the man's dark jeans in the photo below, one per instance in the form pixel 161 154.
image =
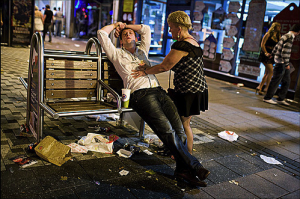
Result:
pixel 280 75
pixel 160 113
pixel 47 27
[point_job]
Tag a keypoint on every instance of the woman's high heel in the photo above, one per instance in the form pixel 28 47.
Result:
pixel 258 91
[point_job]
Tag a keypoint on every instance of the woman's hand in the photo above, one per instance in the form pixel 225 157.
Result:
pixel 138 73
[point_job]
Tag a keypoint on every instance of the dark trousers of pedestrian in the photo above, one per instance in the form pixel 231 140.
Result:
pixel 157 109
pixel 280 75
pixel 47 28
pixel 58 27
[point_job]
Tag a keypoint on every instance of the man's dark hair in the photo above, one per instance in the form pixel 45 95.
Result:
pixel 54 8
pixel 295 28
pixel 126 29
pixel 47 6
pixel 58 8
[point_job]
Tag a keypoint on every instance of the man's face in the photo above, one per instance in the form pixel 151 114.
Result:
pixel 128 36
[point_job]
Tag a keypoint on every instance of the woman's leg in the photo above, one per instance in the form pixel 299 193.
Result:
pixel 188 131
pixel 264 79
pixel 269 70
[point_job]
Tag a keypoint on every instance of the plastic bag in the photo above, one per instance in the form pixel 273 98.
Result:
pixel 228 135
pixel 97 142
pixel 153 139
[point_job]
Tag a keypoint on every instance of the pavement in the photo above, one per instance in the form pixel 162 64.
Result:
pixel 237 169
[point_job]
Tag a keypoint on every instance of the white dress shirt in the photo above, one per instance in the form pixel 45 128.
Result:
pixel 125 62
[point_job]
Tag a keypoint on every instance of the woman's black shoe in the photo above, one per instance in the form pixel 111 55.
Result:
pixel 189 178
pixel 202 173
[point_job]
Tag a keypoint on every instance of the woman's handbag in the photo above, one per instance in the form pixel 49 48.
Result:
pixel 171 92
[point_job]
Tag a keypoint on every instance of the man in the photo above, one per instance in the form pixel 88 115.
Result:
pixel 48 20
pixel 281 73
pixel 59 17
pixel 148 99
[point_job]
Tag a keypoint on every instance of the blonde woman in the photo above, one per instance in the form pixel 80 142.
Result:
pixel 269 40
pixel 38 20
pixel 186 60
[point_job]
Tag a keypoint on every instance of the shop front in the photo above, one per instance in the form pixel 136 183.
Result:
pixel 229 32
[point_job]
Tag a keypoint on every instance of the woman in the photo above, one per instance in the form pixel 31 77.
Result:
pixel 38 20
pixel 186 60
pixel 270 39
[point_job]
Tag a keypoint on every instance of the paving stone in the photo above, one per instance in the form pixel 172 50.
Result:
pixel 238 165
pixel 104 190
pixel 27 184
pixel 260 187
pixel 228 190
pixel 295 194
pixel 64 193
pixel 53 177
pixel 219 173
pixel 281 179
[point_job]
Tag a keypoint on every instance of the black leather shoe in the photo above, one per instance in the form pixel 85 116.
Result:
pixel 189 178
pixel 202 173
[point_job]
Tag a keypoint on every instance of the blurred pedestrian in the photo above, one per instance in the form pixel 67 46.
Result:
pixel 48 21
pixel 186 60
pixel 38 20
pixel 269 41
pixel 281 73
pixel 148 99
pixel 58 22
pixel 53 28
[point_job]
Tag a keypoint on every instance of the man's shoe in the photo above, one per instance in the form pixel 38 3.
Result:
pixel 202 173
pixel 270 101
pixel 283 103
pixel 189 178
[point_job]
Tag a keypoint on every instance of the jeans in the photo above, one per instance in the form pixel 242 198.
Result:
pixel 160 113
pixel 47 27
pixel 280 75
pixel 58 26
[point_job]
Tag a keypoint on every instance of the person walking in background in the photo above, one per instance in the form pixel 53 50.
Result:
pixel 43 10
pixel 58 22
pixel 186 60
pixel 269 41
pixel 48 20
pixel 53 28
pixel 148 99
pixel 281 74
pixel 38 20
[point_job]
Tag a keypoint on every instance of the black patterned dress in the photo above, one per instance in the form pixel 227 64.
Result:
pixel 189 81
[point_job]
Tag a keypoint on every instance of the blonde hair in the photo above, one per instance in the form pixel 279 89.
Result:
pixel 272 30
pixel 180 18
pixel 36 8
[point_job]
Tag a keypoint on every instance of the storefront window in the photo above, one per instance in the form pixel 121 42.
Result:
pixel 153 14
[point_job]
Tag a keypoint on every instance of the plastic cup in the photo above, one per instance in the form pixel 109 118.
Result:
pixel 125 97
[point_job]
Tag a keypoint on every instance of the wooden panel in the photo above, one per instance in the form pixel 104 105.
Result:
pixel 69 64
pixel 70 93
pixel 65 84
pixel 52 74
pixel 82 105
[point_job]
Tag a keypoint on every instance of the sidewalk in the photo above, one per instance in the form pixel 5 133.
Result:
pixel 237 171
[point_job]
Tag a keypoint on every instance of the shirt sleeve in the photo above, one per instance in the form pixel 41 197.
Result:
pixel 107 45
pixel 145 33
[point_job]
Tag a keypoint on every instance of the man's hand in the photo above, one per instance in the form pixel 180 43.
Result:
pixel 119 26
pixel 288 67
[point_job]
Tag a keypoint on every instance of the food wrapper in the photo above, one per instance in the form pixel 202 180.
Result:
pixel 76 148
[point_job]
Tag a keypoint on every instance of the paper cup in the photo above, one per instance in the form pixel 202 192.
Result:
pixel 125 97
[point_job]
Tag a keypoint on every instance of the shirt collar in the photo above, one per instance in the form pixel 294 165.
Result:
pixel 290 32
